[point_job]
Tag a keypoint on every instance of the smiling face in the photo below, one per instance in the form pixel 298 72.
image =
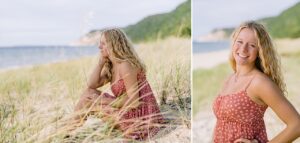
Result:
pixel 104 47
pixel 245 47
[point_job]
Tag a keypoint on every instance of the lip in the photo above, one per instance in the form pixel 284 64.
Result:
pixel 242 55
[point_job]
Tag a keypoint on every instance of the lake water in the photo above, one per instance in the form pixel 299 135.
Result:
pixel 204 47
pixel 13 57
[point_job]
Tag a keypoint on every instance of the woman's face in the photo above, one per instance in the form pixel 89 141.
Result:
pixel 103 47
pixel 245 47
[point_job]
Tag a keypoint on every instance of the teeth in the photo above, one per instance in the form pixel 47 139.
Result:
pixel 243 56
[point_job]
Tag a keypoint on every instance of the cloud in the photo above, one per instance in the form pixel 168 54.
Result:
pixel 211 14
pixel 23 22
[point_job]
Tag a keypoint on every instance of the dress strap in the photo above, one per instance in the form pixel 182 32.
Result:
pixel 249 82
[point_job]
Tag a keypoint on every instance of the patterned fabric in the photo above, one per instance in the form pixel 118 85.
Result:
pixel 143 121
pixel 239 117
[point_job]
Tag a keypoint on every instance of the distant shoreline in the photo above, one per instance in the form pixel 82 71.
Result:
pixel 209 46
pixel 24 56
pixel 209 59
pixel 5 69
pixel 43 46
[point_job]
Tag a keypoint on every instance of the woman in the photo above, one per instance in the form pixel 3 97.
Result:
pixel 132 106
pixel 255 85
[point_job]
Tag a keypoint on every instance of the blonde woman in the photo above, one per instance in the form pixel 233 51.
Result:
pixel 132 106
pixel 255 85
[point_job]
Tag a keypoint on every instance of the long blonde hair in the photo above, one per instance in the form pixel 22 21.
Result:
pixel 268 60
pixel 121 49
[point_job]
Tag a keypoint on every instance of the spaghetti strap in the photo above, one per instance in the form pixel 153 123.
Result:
pixel 249 82
pixel 235 112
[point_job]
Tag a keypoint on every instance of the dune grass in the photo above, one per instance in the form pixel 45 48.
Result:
pixel 206 85
pixel 35 102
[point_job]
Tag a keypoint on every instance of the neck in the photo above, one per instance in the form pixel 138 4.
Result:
pixel 244 70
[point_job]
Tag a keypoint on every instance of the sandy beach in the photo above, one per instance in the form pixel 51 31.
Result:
pixel 204 121
pixel 209 59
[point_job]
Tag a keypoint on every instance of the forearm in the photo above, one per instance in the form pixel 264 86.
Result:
pixel 95 78
pixel 289 134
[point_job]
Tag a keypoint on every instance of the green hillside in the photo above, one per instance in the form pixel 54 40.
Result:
pixel 285 25
pixel 176 22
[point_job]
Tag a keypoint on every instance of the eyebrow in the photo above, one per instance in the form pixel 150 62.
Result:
pixel 249 42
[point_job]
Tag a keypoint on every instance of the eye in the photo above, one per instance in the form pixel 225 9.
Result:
pixel 252 46
pixel 239 42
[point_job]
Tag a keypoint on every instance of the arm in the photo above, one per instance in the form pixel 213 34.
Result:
pixel 268 92
pixel 96 80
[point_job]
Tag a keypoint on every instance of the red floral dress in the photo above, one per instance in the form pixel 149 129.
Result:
pixel 145 119
pixel 238 117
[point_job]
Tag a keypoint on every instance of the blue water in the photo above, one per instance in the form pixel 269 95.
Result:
pixel 11 57
pixel 203 47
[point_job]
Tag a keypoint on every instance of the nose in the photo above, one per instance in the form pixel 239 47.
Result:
pixel 244 47
pixel 100 47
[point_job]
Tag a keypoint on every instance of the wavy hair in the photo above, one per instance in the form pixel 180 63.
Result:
pixel 121 49
pixel 268 60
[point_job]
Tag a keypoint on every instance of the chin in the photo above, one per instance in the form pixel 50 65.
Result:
pixel 241 63
pixel 244 62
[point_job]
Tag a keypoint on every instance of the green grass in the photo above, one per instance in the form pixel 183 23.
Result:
pixel 36 102
pixel 206 85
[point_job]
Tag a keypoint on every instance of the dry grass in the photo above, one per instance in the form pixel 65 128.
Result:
pixel 36 102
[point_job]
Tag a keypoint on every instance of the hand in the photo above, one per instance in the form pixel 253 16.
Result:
pixel 104 52
pixel 242 140
pixel 103 59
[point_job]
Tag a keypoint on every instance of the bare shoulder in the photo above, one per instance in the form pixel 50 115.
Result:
pixel 262 81
pixel 264 87
pixel 126 68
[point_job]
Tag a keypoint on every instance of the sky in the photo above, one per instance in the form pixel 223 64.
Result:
pixel 211 14
pixel 59 22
